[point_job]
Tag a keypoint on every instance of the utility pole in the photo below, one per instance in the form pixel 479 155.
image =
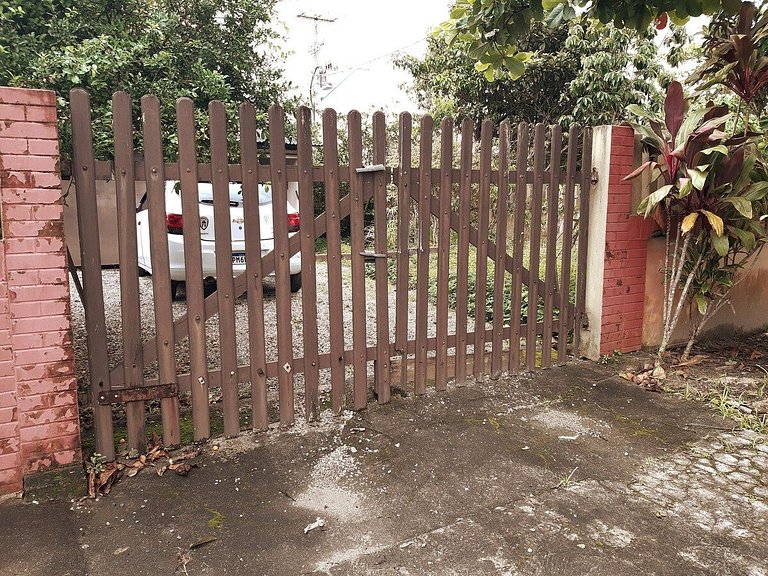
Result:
pixel 316 44
pixel 317 70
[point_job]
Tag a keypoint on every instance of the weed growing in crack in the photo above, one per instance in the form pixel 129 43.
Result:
pixel 567 481
pixel 731 408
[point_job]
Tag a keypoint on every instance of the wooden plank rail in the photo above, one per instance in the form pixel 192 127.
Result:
pixel 161 271
pixel 253 269
pixel 282 264
pixel 426 129
pixel 193 268
pixel 225 288
pixel 105 171
pixel 324 361
pixel 403 236
pixel 481 263
pixel 87 217
pixel 444 249
pixel 382 362
pixel 357 225
pixel 462 252
pixel 565 322
pixel 334 213
pixel 534 286
pixel 502 206
pixel 130 310
pixel 308 268
pixel 550 279
pixel 518 271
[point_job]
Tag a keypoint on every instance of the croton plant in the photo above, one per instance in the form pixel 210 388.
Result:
pixel 712 204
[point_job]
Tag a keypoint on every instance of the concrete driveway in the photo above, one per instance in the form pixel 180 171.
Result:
pixel 569 471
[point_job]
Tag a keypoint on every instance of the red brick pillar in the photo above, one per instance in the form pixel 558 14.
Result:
pixel 38 390
pixel 618 245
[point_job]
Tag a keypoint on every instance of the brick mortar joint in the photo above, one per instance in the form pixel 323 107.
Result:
pixel 48 424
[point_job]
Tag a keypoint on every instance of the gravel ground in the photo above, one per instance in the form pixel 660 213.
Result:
pixel 111 286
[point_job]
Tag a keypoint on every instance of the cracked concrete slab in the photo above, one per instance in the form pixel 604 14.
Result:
pixel 566 471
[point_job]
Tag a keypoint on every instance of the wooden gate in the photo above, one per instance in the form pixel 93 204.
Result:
pixel 481 258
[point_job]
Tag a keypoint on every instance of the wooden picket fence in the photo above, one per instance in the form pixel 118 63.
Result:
pixel 503 208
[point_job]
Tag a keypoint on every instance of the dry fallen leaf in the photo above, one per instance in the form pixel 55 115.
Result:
pixel 202 542
pixel 182 468
pixel 156 453
pixel 100 480
pixel 187 455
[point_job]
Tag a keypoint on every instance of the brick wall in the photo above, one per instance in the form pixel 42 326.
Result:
pixel 617 250
pixel 626 249
pixel 38 390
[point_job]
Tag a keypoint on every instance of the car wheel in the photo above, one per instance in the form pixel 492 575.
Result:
pixel 174 288
pixel 143 272
pixel 209 287
pixel 295 282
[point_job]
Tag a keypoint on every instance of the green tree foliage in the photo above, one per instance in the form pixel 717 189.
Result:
pixel 490 31
pixel 617 67
pixel 735 60
pixel 580 71
pixel 203 49
pixel 24 33
pixel 446 82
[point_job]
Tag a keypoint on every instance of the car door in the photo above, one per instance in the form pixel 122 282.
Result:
pixel 142 235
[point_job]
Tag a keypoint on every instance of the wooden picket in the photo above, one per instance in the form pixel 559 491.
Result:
pixel 493 222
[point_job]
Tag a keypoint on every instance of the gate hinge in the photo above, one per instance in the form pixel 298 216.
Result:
pixel 120 395
pixel 595 176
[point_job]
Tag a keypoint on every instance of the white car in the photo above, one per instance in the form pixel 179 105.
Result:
pixel 175 226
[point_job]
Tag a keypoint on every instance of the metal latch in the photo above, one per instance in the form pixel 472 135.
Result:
pixel 371 168
pixel 369 257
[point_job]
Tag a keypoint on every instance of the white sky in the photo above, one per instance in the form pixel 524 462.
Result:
pixel 360 45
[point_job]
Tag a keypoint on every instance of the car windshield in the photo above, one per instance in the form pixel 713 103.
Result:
pixel 205 192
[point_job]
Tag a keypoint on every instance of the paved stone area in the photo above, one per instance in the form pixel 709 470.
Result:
pixel 568 471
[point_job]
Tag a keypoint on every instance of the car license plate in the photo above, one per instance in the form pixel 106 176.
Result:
pixel 238 258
